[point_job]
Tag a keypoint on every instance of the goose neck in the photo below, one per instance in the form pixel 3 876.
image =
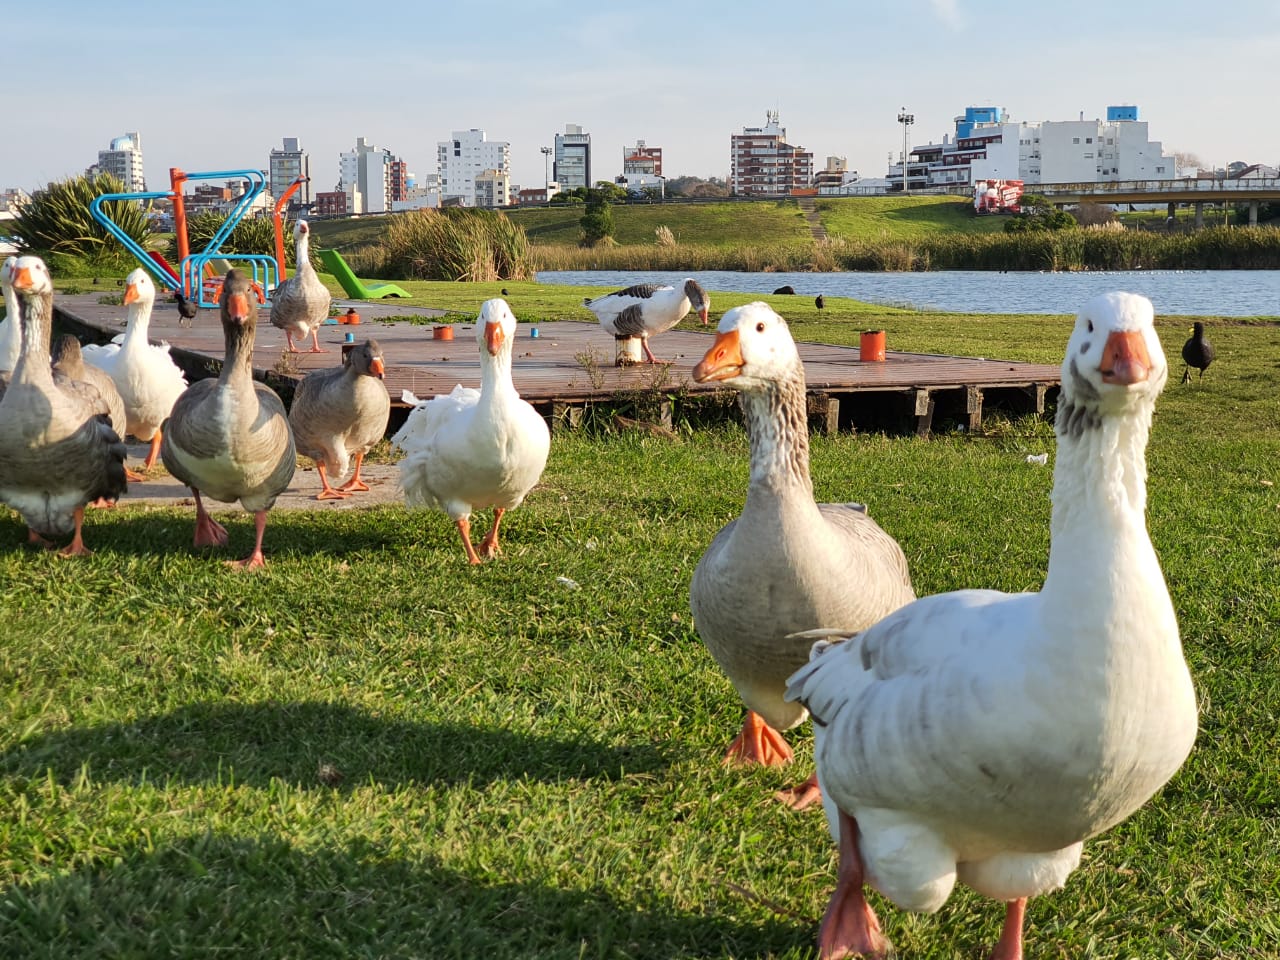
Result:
pixel 778 432
pixel 35 316
pixel 496 385
pixel 138 325
pixel 237 363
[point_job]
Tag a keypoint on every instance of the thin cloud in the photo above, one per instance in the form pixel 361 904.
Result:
pixel 948 11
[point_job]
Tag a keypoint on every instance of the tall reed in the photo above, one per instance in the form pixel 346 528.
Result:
pixel 454 243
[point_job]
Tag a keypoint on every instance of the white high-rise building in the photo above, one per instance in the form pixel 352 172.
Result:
pixel 370 170
pixel 123 159
pixel 573 158
pixel 464 159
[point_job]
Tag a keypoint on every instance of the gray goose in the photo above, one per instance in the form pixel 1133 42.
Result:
pixel 341 412
pixel 229 438
pixel 300 304
pixel 787 563
pixel 647 309
pixel 60 450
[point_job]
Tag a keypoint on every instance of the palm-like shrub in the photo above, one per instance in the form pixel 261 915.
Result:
pixel 455 243
pixel 56 223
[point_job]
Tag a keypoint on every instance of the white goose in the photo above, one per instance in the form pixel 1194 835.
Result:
pixel 475 449
pixel 300 304
pixel 786 564
pixel 148 380
pixel 646 309
pixel 10 334
pixel 981 736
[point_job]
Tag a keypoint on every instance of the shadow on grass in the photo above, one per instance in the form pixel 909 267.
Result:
pixel 315 745
pixel 213 894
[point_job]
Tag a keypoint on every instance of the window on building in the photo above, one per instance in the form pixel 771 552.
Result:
pixel 1159 169
pixel 1088 156
pixel 1088 139
pixel 1075 139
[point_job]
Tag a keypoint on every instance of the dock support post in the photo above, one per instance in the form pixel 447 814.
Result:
pixel 1037 393
pixel 1253 213
pixel 565 415
pixel 973 407
pixel 824 410
pixel 1199 207
pixel 924 404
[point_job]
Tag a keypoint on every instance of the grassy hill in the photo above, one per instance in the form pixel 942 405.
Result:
pixel 731 223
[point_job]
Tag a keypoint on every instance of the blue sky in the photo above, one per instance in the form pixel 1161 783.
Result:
pixel 210 89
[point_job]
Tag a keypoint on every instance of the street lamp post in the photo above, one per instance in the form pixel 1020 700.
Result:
pixel 546 180
pixel 906 119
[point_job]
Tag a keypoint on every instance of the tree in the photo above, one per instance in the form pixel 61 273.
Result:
pixel 597 221
pixel 1091 214
pixel 1038 214
pixel 1186 160
pixel 696 187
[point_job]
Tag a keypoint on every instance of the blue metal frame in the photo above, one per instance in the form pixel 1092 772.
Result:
pixel 266 271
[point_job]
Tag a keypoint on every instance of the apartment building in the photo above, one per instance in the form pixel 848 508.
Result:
pixel 469 158
pixel 987 145
pixel 372 173
pixel 572 166
pixel 284 166
pixel 123 159
pixel 764 164
pixel 642 160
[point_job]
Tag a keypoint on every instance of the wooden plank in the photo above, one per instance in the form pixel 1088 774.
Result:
pixel 973 407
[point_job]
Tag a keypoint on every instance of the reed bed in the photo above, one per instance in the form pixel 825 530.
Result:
pixel 450 244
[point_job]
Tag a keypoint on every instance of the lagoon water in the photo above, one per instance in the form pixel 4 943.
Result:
pixel 1226 293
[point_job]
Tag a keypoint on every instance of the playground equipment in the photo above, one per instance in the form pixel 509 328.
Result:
pixel 195 276
pixel 355 288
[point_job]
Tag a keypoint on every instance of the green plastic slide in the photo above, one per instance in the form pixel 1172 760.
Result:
pixel 355 288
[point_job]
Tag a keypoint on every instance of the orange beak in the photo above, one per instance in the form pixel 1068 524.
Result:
pixel 1125 359
pixel 238 307
pixel 377 367
pixel 131 293
pixel 21 279
pixel 723 361
pixel 493 337
pixel 703 314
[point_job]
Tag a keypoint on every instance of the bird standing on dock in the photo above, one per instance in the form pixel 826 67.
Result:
pixel 647 309
pixel 300 304
pixel 59 451
pixel 786 564
pixel 474 449
pixel 340 412
pixel 229 438
pixel 148 380
pixel 1196 352
pixel 982 736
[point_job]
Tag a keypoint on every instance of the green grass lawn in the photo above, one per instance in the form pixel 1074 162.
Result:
pixel 878 218
pixel 372 750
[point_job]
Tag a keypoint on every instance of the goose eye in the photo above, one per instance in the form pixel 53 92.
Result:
pixel 760 327
pixel 1090 324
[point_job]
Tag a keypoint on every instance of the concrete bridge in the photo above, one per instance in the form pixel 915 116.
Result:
pixel 1185 190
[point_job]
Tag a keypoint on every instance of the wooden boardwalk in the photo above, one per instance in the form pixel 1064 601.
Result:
pixel 569 365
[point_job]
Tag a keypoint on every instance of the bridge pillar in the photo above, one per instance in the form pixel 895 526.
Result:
pixel 1173 209
pixel 1253 213
pixel 1199 215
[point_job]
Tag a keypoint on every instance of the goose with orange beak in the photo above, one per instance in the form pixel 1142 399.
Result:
pixel 59 451
pixel 229 438
pixel 341 413
pixel 148 380
pixel 475 449
pixel 982 737
pixel 787 563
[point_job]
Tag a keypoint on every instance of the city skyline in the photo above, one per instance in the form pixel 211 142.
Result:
pixel 683 80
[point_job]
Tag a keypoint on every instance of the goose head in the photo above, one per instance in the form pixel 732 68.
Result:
pixel 753 348
pixel 29 276
pixel 139 289
pixel 366 360
pixel 699 301
pixel 1114 361
pixel 67 355
pixel 238 305
pixel 495 327
pixel 301 230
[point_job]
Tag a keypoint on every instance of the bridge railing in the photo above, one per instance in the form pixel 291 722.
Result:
pixel 1178 185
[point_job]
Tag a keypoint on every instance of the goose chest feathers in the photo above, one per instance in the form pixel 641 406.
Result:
pixel 300 304
pixel 981 736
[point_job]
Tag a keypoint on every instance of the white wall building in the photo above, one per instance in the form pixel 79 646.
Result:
pixel 988 145
pixel 420 196
pixel 466 158
pixel 123 159
pixel 367 170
